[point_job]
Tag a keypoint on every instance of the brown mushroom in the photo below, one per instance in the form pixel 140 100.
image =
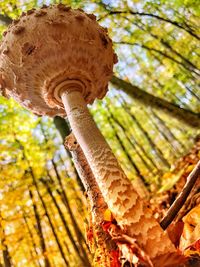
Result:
pixel 59 61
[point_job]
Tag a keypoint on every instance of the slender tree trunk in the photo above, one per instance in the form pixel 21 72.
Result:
pixel 132 142
pixel 163 135
pixel 147 136
pixel 49 218
pixel 6 256
pixel 5 251
pixel 39 230
pixel 80 198
pixel 143 183
pixel 188 117
pixel 64 130
pixel 167 130
pixel 66 202
pixel 80 253
pixel 32 239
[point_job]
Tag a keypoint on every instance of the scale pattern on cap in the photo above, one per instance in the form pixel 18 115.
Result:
pixel 51 48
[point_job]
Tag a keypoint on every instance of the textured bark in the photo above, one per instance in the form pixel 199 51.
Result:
pixel 131 213
pixel 188 117
pixel 96 202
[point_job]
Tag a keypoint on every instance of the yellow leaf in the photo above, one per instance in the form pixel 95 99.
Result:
pixel 167 175
pixel 108 215
pixel 190 168
pixel 191 230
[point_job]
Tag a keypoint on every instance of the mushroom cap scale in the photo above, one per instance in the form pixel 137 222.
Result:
pixel 51 50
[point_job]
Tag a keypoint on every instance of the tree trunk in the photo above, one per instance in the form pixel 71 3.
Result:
pixel 5 252
pixel 147 136
pixel 49 218
pixel 40 230
pixel 81 254
pixel 133 143
pixel 66 202
pixel 142 183
pixel 187 116
pixel 32 239
pixel 64 130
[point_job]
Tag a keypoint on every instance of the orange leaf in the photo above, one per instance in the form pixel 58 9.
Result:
pixel 115 259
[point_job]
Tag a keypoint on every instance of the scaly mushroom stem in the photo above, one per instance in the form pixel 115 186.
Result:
pixel 131 213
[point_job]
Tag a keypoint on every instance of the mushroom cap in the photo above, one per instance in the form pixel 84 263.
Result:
pixel 53 49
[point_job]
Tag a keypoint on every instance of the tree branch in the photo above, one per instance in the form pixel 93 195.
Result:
pixel 180 200
pixel 164 54
pixel 144 14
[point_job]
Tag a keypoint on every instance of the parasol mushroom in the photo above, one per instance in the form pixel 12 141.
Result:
pixel 55 61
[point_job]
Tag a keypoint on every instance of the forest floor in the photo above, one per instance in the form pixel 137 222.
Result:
pixel 185 229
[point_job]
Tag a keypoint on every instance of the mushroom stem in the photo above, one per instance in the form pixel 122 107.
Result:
pixel 131 213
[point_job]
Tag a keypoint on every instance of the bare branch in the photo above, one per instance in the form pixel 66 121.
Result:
pixel 180 200
pixel 144 14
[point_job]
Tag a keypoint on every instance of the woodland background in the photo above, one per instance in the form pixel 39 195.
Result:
pixel 150 117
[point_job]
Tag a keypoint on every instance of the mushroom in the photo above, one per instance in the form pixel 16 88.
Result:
pixel 55 61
